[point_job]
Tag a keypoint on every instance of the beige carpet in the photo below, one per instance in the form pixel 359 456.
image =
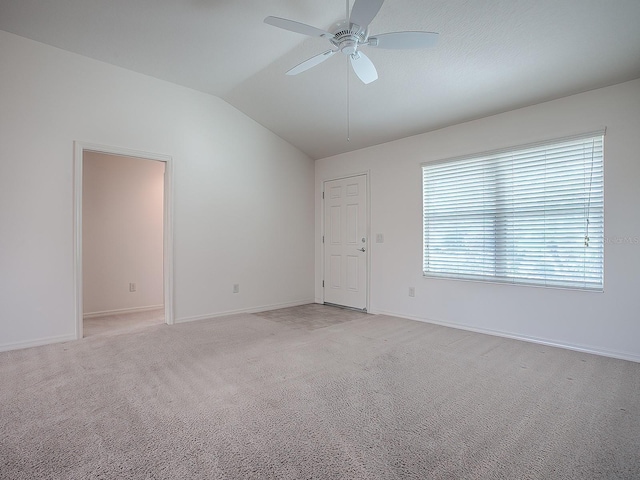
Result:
pixel 370 397
pixel 119 323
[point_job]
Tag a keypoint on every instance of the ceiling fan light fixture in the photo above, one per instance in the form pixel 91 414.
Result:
pixel 348 47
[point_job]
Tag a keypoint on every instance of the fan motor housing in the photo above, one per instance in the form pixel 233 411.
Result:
pixel 347 36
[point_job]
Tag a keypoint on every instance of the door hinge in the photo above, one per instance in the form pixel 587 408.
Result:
pixel 323 195
pixel 322 238
pixel 322 283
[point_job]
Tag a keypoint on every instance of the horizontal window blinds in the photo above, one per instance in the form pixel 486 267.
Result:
pixel 532 215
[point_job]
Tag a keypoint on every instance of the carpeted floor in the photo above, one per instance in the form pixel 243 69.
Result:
pixel 119 323
pixel 263 396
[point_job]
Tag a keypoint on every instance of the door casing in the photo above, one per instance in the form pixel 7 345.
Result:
pixel 79 149
pixel 368 230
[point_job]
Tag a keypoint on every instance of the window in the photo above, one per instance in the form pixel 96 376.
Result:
pixel 529 215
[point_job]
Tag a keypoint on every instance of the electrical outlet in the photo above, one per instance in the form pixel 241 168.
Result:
pixel 132 287
pixel 236 288
pixel 412 291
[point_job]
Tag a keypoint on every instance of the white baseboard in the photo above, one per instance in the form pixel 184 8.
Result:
pixel 36 343
pixel 524 338
pixel 122 311
pixel 263 308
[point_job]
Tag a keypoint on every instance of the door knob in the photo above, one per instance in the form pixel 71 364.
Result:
pixel 361 249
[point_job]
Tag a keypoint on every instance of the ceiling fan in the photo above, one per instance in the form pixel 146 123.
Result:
pixel 349 35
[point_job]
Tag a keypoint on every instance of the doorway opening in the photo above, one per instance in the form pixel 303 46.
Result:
pixel 123 232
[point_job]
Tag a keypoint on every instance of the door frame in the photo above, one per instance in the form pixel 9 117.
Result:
pixel 167 230
pixel 367 175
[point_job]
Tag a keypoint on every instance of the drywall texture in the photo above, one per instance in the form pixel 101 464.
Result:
pixel 122 220
pixel 607 322
pixel 243 197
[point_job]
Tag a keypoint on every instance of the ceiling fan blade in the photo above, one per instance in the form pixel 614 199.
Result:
pixel 364 11
pixel 364 68
pixel 402 40
pixel 297 27
pixel 311 62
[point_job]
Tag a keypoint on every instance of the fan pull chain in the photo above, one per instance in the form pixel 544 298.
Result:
pixel 348 107
pixel 348 104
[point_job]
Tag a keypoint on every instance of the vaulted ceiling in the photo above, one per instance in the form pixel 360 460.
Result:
pixel 492 56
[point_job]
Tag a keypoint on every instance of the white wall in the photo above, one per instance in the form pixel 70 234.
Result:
pixel 243 197
pixel 607 322
pixel 122 220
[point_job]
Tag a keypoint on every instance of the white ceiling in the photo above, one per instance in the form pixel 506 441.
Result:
pixel 493 56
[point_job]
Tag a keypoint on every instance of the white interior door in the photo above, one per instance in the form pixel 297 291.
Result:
pixel 346 242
